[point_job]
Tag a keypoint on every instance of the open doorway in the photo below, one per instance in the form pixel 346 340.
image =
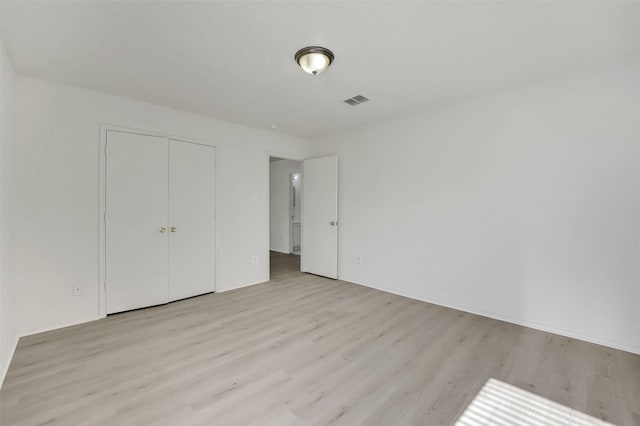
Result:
pixel 285 215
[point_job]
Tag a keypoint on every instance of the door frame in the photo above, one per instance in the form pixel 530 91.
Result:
pixel 102 245
pixel 268 181
pixel 291 212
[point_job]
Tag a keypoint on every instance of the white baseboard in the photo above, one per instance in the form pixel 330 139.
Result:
pixel 242 286
pixel 5 368
pixel 51 327
pixel 280 251
pixel 29 332
pixel 530 324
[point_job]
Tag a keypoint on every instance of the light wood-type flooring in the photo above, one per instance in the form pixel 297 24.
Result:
pixel 302 350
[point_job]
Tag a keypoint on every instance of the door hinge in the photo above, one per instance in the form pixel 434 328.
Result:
pixel 104 217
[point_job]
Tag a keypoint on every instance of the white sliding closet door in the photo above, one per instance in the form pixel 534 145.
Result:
pixel 136 221
pixel 192 183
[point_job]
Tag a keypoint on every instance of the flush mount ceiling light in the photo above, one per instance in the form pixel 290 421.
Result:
pixel 314 59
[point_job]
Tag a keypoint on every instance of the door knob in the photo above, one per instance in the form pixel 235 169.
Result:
pixel 162 229
pixel 173 229
pixel 332 223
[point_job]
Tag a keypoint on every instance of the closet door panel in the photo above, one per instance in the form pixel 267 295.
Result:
pixel 136 213
pixel 191 219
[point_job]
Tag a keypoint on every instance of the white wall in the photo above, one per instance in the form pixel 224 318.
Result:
pixel 522 205
pixel 8 334
pixel 279 176
pixel 57 185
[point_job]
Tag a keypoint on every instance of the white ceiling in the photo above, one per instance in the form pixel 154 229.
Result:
pixel 234 60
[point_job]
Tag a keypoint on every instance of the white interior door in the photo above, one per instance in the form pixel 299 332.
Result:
pixel 320 217
pixel 192 183
pixel 136 221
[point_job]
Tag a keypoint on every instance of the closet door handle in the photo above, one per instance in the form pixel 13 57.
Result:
pixel 162 229
pixel 173 229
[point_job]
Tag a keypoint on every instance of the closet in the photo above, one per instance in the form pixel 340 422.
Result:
pixel 159 220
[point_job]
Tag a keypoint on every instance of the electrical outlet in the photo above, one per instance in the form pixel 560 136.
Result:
pixel 358 260
pixel 77 290
pixel 255 258
pixel 255 196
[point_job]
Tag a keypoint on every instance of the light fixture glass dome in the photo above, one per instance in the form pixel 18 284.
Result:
pixel 314 59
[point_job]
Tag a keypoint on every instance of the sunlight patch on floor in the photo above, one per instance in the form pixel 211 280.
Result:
pixel 501 404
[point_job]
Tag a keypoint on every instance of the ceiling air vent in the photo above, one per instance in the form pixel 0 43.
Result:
pixel 356 100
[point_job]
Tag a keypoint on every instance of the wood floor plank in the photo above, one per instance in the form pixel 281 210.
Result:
pixel 302 350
